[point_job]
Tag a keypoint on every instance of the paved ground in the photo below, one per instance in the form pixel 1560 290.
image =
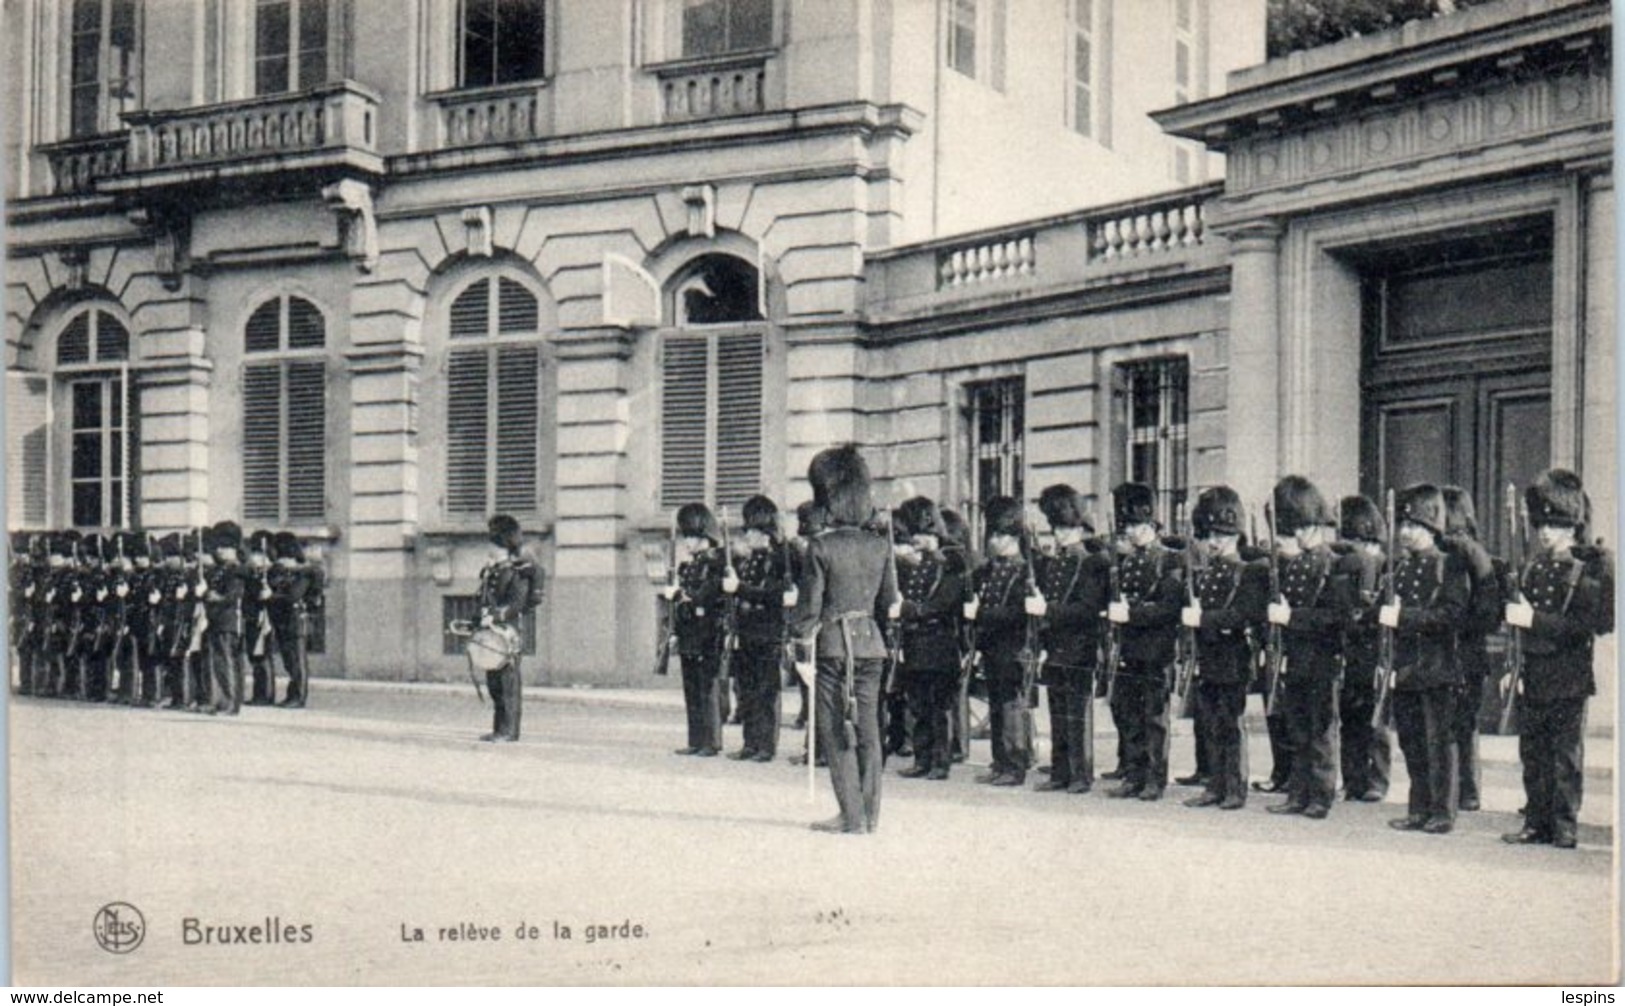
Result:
pixel 375 814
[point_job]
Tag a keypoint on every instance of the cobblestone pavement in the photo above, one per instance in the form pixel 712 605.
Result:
pixel 376 814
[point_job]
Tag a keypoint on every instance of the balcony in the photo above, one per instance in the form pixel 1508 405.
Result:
pixel 331 126
pixel 77 165
pixel 505 113
pixel 713 87
pixel 1143 243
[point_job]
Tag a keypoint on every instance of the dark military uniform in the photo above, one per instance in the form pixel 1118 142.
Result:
pixel 224 637
pixel 763 579
pixel 1433 593
pixel 20 576
pixel 698 621
pixel 296 600
pixel 932 589
pixel 1365 751
pixel 1484 609
pixel 1074 584
pixel 1573 598
pixel 1313 645
pixel 259 639
pixel 1001 621
pixel 504 589
pixel 1232 595
pixel 845 592
pixel 1151 582
pixel 39 615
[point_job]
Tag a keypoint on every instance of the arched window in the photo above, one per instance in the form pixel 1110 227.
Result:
pixel 92 353
pixel 285 413
pixel 711 385
pixel 493 399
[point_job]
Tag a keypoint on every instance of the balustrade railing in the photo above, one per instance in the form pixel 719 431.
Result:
pixel 341 114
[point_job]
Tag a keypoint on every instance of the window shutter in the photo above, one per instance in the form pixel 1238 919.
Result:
pixel 306 330
pixel 263 332
pixel 683 399
pixel 516 309
pixel 467 429
pixel 112 339
pixel 471 312
pixel 518 412
pixel 307 448
pixel 262 441
pixel 28 438
pixel 73 345
pixel 739 418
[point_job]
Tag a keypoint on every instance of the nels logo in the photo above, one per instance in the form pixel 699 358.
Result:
pixel 119 927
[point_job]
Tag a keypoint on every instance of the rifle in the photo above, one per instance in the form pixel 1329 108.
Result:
pixel 1512 675
pixel 666 617
pixel 76 626
pixel 730 609
pixel 1274 648
pixel 1031 657
pixel 894 626
pixel 1185 660
pixel 1113 657
pixel 200 612
pixel 262 625
pixel 1382 714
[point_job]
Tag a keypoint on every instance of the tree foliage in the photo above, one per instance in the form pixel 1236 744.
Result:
pixel 1304 24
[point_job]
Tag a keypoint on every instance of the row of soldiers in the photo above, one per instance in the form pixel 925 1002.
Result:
pixel 1345 623
pixel 134 619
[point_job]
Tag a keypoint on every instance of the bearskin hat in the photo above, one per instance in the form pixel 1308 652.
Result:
pixel 761 514
pixel 169 546
pixel 1133 503
pixel 227 534
pixel 1063 506
pixel 19 543
pixel 1557 500
pixel 1298 504
pixel 286 545
pixel 1217 512
pixel 133 544
pixel 1003 516
pixel 1360 520
pixel 1422 504
pixel 90 546
pixel 503 530
pixel 919 516
pixel 263 542
pixel 810 519
pixel 1459 517
pixel 955 530
pixel 694 520
pixel 840 482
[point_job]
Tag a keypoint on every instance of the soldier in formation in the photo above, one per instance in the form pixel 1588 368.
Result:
pixel 131 619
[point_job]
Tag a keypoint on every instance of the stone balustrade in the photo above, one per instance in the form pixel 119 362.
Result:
pixel 76 165
pixel 986 261
pixel 735 88
pixel 1148 227
pixel 506 114
pixel 341 114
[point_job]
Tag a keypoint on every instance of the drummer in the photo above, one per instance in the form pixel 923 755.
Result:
pixel 505 593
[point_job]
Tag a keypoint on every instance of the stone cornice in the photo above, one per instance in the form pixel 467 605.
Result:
pixel 861 118
pixel 1435 58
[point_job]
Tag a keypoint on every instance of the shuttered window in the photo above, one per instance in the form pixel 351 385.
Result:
pixel 285 413
pixel 711 418
pixel 93 336
pixel 493 400
pixel 1153 408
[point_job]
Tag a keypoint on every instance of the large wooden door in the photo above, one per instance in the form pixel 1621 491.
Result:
pixel 1456 375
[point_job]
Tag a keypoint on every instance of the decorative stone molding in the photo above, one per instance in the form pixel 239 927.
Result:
pixel 477 231
pixel 74 261
pixel 701 201
pixel 351 202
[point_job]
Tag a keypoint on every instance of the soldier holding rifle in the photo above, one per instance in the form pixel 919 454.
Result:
pixel 998 611
pixel 1484 610
pixel 1228 595
pixel 758 586
pixel 1312 611
pixel 1563 599
pixel 1366 747
pixel 1431 595
pixel 1072 593
pixel 698 620
pixel 932 586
